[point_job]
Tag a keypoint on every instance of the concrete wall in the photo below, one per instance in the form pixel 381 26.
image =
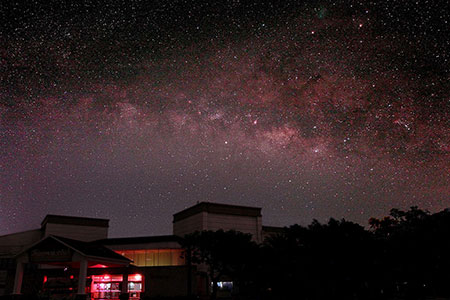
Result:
pixel 77 232
pixel 11 244
pixel 243 224
pixel 212 221
pixel 191 224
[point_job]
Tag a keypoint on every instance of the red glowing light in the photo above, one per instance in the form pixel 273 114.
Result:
pixel 99 266
pixel 138 277
pixel 71 276
pixel 45 279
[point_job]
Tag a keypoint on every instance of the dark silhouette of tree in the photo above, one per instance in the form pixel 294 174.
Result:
pixel 226 254
pixel 416 251
pixel 319 261
pixel 405 255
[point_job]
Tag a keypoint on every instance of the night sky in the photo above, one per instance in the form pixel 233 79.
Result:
pixel 132 111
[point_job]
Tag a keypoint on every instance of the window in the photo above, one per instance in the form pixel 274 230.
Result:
pixel 154 257
pixel 225 285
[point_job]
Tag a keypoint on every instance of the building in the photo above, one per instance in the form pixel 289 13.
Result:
pixel 73 255
pixel 214 216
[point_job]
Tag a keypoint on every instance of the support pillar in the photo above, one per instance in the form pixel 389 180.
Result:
pixel 82 279
pixel 124 295
pixel 18 279
pixel 188 253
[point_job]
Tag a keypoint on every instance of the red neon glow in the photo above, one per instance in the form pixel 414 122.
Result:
pixel 137 277
pixel 106 278
pixel 99 266
pixel 45 279
pixel 110 283
pixel 71 277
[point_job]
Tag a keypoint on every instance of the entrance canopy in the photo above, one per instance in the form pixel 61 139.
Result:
pixel 59 251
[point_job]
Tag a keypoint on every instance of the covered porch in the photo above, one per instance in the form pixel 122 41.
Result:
pixel 63 265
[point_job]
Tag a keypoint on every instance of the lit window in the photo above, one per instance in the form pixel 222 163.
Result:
pixel 154 257
pixel 224 285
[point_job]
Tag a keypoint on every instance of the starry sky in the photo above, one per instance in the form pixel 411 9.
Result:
pixel 134 110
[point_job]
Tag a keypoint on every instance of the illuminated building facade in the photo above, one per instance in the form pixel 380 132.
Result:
pixel 72 255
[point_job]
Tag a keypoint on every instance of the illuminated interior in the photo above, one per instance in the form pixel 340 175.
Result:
pixel 154 257
pixel 59 286
pixel 110 286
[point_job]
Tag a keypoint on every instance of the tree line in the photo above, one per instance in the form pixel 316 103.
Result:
pixel 405 255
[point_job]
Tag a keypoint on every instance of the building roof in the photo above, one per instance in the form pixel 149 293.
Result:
pixel 88 249
pixel 217 208
pixel 139 240
pixel 71 220
pixel 91 249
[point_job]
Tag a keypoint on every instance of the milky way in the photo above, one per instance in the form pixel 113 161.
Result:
pixel 133 112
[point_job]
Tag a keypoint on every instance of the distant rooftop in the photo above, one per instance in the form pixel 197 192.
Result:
pixel 71 220
pixel 274 229
pixel 217 208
